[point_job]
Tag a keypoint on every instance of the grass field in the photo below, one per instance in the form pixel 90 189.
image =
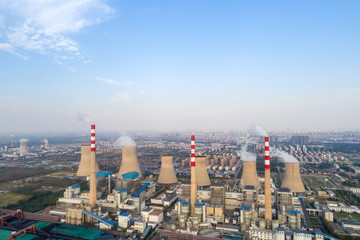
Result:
pixel 11 198
pixel 317 181
pixel 349 217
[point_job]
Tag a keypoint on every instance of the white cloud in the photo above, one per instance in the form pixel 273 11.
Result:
pixel 9 48
pixel 115 82
pixel 121 97
pixel 45 25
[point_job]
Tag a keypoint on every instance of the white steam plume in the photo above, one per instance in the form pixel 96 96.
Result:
pixel 285 157
pixel 84 119
pixel 257 130
pixel 247 156
pixel 124 141
pixel 23 140
pixel 44 140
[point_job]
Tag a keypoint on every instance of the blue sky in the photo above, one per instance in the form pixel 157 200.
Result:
pixel 179 65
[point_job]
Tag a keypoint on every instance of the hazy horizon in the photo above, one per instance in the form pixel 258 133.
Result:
pixel 179 65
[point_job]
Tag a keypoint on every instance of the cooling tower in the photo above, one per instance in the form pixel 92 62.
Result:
pixel 202 176
pixel 23 147
pixel 129 161
pixel 167 173
pixel 249 175
pixel 292 178
pixel 84 167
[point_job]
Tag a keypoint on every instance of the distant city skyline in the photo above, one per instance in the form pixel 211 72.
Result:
pixel 179 65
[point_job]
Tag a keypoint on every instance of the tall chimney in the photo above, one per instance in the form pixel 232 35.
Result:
pixel 92 197
pixel 193 176
pixel 268 212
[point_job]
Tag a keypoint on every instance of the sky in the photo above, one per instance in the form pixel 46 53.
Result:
pixel 179 65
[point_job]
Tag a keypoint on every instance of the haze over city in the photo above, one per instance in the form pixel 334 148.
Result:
pixel 179 65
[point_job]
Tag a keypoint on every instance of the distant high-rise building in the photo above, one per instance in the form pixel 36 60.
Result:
pixel 300 140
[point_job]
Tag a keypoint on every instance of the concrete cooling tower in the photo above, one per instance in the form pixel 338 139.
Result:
pixel 167 173
pixel 292 178
pixel 129 161
pixel 84 167
pixel 249 174
pixel 202 176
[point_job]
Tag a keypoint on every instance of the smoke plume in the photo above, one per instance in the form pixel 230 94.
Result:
pixel 285 157
pixel 256 130
pixel 44 140
pixel 124 141
pixel 84 119
pixel 23 140
pixel 247 156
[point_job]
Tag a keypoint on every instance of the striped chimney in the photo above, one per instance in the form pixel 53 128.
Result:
pixel 267 154
pixel 193 189
pixel 92 197
pixel 268 211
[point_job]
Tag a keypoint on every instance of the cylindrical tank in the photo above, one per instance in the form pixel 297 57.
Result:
pixel 292 220
pixel 129 162
pixel 185 208
pixel 275 224
pixel 198 209
pixel 181 219
pixel 195 222
pixel 262 224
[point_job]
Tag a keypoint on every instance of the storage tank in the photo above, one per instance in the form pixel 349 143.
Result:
pixel 181 219
pixel 185 208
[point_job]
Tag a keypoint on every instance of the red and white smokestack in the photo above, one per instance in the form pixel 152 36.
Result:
pixel 92 193
pixel 192 151
pixel 193 188
pixel 267 153
pixel 268 208
pixel 93 137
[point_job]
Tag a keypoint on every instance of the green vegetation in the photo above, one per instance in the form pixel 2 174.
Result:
pixel 330 229
pixel 315 223
pixel 349 217
pixel 39 200
pixel 348 196
pixel 11 198
pixel 316 181
pixel 12 173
